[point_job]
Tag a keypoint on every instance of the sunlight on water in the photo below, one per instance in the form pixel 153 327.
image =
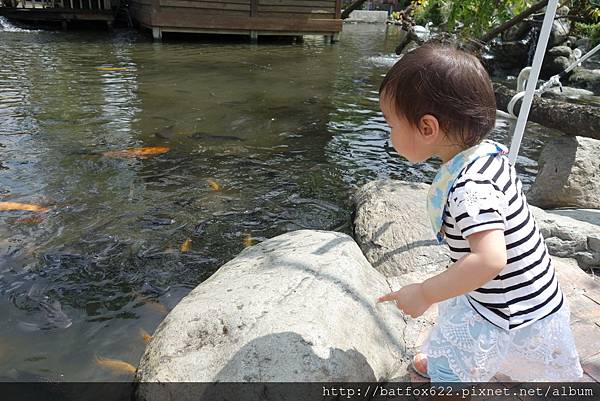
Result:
pixel 157 162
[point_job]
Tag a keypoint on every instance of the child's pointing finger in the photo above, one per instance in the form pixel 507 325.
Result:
pixel 387 297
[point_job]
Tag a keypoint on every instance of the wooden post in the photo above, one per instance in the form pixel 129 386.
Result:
pixel 156 33
pixel 253 36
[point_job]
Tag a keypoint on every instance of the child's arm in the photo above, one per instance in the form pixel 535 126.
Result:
pixel 486 260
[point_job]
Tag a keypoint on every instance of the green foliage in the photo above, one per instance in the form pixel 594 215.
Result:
pixel 588 11
pixel 472 18
pixel 591 31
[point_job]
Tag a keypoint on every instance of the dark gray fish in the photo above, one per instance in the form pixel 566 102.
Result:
pixel 156 221
pixel 200 228
pixel 54 314
pixel 204 135
pixel 27 326
pixel 165 133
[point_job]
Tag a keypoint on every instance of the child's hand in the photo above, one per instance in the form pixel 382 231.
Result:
pixel 410 299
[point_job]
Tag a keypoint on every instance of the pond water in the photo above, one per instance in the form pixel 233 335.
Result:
pixel 263 139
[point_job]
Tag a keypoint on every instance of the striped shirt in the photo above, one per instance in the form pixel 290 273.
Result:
pixel 526 289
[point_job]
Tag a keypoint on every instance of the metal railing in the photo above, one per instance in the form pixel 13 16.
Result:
pixel 58 4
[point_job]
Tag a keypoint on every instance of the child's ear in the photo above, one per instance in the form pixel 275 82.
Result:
pixel 429 127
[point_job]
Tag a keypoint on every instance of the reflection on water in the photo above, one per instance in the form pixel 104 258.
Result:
pixel 262 140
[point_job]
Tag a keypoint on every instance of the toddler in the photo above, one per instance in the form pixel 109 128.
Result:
pixel 501 308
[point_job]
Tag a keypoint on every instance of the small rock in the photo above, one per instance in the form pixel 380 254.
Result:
pixel 583 43
pixel 570 41
pixel 594 242
pixel 562 11
pixel 420 34
pixel 412 45
pixel 558 51
pixel 560 30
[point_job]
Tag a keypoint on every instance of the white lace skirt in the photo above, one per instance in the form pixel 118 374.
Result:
pixel 476 349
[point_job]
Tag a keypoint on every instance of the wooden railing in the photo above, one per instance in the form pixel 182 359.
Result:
pixel 61 4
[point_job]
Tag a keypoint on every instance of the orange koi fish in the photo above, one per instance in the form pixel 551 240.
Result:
pixel 138 152
pixel 146 337
pixel 156 306
pixel 30 220
pixel 248 240
pixel 22 206
pixel 215 186
pixel 115 365
pixel 185 247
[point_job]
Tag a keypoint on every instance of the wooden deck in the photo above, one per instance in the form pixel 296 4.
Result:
pixel 245 17
pixel 63 11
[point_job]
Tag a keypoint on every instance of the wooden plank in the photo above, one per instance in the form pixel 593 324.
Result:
pixel 142 14
pixel 194 18
pixel 587 338
pixel 49 14
pixel 273 14
pixel 205 4
pixel 302 10
pixel 299 3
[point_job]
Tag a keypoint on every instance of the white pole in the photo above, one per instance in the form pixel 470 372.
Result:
pixel 540 50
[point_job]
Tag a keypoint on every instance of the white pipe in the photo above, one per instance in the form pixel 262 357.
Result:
pixel 582 59
pixel 540 50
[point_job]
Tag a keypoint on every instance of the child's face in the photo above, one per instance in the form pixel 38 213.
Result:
pixel 406 138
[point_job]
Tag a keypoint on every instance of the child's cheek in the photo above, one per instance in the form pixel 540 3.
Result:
pixel 395 141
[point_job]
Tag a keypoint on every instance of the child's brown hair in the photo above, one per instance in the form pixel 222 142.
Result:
pixel 448 83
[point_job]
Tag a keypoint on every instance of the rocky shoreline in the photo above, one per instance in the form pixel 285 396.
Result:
pixel 301 307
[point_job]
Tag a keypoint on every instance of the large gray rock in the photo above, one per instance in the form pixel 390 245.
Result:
pixel 298 307
pixel 571 233
pixel 393 230
pixel 585 79
pixel 516 32
pixel 560 28
pixel 569 174
pixel 512 54
pixel 555 65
